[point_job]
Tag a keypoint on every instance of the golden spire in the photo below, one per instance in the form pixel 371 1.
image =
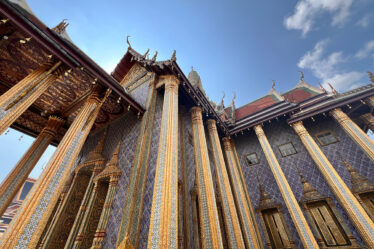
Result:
pixel 174 56
pixel 128 41
pixel 273 86
pixel 309 192
pixel 61 27
pixel 322 88
pixel 146 54
pixel 359 182
pixel 301 75
pixel 111 169
pixel 114 159
pixel 96 153
pixel 265 199
pixel 333 89
pixel 371 76
pixel 155 56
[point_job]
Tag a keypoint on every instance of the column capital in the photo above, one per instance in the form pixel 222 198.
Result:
pixel 226 143
pixel 196 115
pixel 299 128
pixel 53 125
pixel 171 83
pixel 259 131
pixel 339 115
pixel 212 124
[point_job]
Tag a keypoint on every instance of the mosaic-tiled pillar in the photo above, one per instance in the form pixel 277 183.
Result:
pixel 209 222
pixel 248 199
pixel 231 220
pixel 21 96
pixel 16 178
pixel 302 227
pixel 128 235
pixel 357 135
pixel 112 172
pixel 187 214
pixel 368 119
pixel 28 225
pixel 356 213
pixel 163 229
pixel 246 219
pixel 196 235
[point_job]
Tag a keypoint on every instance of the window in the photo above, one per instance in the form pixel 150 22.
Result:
pixel 287 149
pixel 276 229
pixel 251 159
pixel 368 201
pixel 326 138
pixel 327 224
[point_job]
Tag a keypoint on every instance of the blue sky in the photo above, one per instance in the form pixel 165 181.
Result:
pixel 236 46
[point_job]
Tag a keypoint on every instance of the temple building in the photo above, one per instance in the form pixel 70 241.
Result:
pixel 145 159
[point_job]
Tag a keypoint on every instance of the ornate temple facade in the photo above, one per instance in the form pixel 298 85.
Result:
pixel 145 160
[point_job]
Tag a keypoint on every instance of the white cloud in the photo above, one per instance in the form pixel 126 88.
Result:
pixel 366 51
pixel 364 21
pixel 326 68
pixel 306 11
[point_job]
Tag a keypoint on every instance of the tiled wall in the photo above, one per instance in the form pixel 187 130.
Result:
pixel 279 133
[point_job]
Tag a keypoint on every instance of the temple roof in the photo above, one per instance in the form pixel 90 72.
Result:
pixel 301 92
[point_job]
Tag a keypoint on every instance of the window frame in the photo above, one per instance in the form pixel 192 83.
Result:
pixel 280 151
pixel 246 161
pixel 323 132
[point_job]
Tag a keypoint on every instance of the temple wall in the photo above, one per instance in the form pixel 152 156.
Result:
pixel 278 134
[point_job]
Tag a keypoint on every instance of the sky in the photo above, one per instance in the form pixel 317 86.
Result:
pixel 235 46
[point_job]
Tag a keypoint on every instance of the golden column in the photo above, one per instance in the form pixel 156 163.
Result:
pixel 356 213
pixel 293 207
pixel 247 222
pixel 17 99
pixel 235 239
pixel 14 181
pixel 368 120
pixel 358 136
pixel 247 198
pixel 209 222
pixel 28 225
pixel 163 229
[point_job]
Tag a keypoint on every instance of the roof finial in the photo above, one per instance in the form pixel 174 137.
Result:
pixel 224 95
pixel 192 68
pixel 146 54
pixel 273 84
pixel 61 27
pixel 174 56
pixel 322 88
pixel 155 56
pixel 233 99
pixel 127 40
pixel 332 89
pixel 371 76
pixel 301 76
